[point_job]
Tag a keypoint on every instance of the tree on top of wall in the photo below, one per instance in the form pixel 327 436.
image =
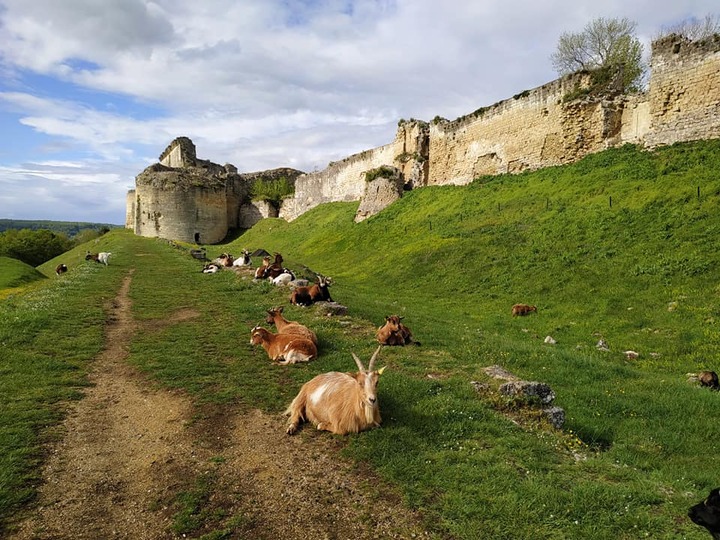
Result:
pixel 609 45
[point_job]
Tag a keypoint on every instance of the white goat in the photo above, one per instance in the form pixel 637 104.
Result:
pixel 244 260
pixel 283 279
pixel 340 403
pixel 102 257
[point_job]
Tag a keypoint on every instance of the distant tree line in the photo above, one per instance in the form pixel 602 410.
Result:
pixel 36 246
pixel 70 228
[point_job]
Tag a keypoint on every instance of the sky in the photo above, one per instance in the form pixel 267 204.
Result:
pixel 93 91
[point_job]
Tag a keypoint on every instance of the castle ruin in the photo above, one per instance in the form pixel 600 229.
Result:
pixel 184 198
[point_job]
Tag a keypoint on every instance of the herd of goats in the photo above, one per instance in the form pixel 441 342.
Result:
pixel 343 403
pixel 340 403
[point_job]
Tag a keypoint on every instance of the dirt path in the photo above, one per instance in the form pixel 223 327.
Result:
pixel 129 449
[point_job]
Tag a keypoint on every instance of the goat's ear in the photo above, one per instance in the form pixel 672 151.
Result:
pixel 401 318
pixel 380 371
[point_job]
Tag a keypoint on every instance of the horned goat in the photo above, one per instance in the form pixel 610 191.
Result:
pixel 284 348
pixel 305 296
pixel 394 332
pixel 244 260
pixel 340 403
pixel 275 316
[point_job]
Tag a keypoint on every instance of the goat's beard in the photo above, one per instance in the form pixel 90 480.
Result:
pixel 369 413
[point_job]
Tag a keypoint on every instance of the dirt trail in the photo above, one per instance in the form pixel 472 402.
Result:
pixel 129 449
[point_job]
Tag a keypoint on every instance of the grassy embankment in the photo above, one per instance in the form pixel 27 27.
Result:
pixel 620 246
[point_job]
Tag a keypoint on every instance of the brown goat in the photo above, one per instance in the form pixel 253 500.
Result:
pixel 394 332
pixel 340 403
pixel 275 316
pixel 305 296
pixel 60 269
pixel 709 379
pixel 284 348
pixel 260 272
pixel 522 309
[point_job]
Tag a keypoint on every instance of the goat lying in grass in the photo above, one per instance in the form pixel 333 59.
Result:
pixel 340 403
pixel 244 260
pixel 275 269
pixel 284 348
pixel 707 513
pixel 60 269
pixel 709 379
pixel 260 272
pixel 305 296
pixel 102 257
pixel 275 316
pixel 394 332
pixel 522 309
pixel 225 260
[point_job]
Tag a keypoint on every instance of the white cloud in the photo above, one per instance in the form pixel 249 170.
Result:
pixel 262 83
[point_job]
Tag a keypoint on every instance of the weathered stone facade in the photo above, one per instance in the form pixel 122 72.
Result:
pixel 195 200
pixel 537 128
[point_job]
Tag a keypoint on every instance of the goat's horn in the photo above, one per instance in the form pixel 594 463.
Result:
pixel 371 365
pixel 358 362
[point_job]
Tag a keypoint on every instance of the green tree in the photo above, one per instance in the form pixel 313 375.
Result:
pixel 33 247
pixel 604 44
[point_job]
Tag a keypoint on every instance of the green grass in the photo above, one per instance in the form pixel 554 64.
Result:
pixel 14 273
pixel 642 273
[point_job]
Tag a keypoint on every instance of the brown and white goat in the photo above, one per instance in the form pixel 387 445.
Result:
pixel 225 260
pixel 275 316
pixel 60 269
pixel 102 257
pixel 260 272
pixel 284 348
pixel 340 403
pixel 394 332
pixel 522 309
pixel 305 296
pixel 275 269
pixel 244 260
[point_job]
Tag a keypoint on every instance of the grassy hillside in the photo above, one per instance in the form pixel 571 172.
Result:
pixel 14 273
pixel 620 246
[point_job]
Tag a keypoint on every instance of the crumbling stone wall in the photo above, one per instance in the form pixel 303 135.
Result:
pixel 384 187
pixel 345 180
pixel 181 206
pixel 130 209
pixel 340 181
pixel 684 90
pixel 179 153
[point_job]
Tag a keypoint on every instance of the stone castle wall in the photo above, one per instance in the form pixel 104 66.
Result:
pixel 537 128
pixel 684 90
pixel 340 181
pixel 197 214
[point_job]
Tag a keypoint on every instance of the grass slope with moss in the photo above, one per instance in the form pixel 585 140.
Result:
pixel 620 246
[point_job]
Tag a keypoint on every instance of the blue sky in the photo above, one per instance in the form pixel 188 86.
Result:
pixel 92 91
